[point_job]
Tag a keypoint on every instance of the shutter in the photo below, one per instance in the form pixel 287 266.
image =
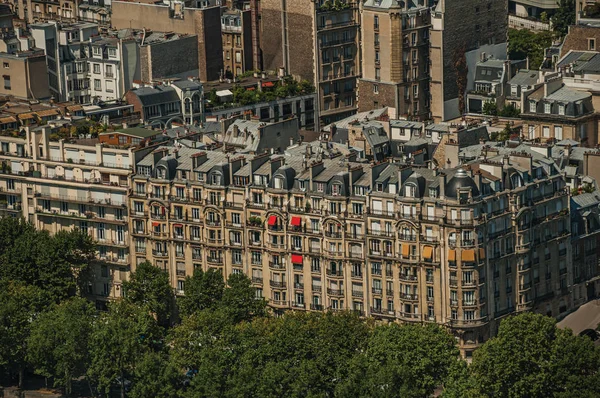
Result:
pixel 72 154
pixel 126 161
pixel 16 167
pixel 51 172
pixel 90 157
pixel 54 153
pixel 109 159
pixel 377 206
pixel 68 174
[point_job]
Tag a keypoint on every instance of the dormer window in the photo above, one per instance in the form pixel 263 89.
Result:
pixel 532 106
pixel 161 172
pixel 302 185
pixel 215 179
pixel 278 183
pixel 547 107
pixel 336 189
pixel 433 193
pixel 561 109
pixel 410 190
pixel 379 187
pixel 359 191
pixel 200 176
pixel 320 187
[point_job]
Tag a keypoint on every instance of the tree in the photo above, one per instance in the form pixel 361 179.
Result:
pixel 460 67
pixel 401 361
pixel 563 17
pixel 156 376
pixel 19 306
pixel 239 299
pixel 530 357
pixel 119 338
pixel 58 343
pixel 523 43
pixel 509 111
pixel 150 288
pixel 490 108
pixel 202 290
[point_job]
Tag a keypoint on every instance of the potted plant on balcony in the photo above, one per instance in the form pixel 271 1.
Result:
pixel 307 207
pixel 255 221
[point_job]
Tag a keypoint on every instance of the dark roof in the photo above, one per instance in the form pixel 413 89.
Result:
pixel 460 180
pixel 156 95
pixel 5 10
pixel 135 132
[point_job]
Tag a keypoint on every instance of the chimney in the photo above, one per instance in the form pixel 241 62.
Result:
pixel 442 177
pixel 236 130
pixel 333 130
pixel 198 159
pixel 483 57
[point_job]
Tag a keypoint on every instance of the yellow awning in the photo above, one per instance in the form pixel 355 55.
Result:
pixel 468 256
pixel 405 250
pixel 451 255
pixel 482 254
pixel 428 252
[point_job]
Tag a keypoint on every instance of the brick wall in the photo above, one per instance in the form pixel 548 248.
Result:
pixel 271 43
pixel 578 39
pixel 369 100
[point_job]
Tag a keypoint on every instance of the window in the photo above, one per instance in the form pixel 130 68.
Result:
pixel 377 73
pixel 375 89
pixel 97 50
pixel 96 68
pixel 532 106
pixel 97 85
pixel 376 22
pixel 109 71
pixel 592 44
pixel 5 64
pixel 112 52
pixel 377 57
pixel 558 132
pixel 547 107
pixel 546 131
pixel 561 109
pixel 6 82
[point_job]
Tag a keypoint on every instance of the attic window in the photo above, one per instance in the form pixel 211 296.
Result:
pixel 278 183
pixel 433 193
pixel 379 187
pixel 336 189
pixel 161 172
pixel 215 179
pixel 410 190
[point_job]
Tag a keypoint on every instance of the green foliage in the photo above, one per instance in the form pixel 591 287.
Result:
pixel 52 263
pixel 203 290
pixel 239 299
pixel 155 376
pixel 523 43
pixel 58 344
pixel 509 111
pixel 19 306
pixel 530 357
pixel 490 108
pixel 119 339
pixel 401 361
pixel 149 287
pixel 563 17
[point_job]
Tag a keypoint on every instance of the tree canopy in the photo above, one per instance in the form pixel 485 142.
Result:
pixel 523 43
pixel 563 17
pixel 149 287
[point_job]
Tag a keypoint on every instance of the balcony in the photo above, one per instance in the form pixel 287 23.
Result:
pixel 335 292
pixel 317 289
pixel 468 322
pixel 276 266
pixel 357 293
pixel 333 234
pixel 377 290
pixel 298 285
pixel 316 307
pixel 357 275
pixel 160 253
pixel 215 260
pixel 334 273
pixel 277 284
pixel 409 297
pixel 408 278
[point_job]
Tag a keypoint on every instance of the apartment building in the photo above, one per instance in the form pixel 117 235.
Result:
pixel 236 32
pixel 554 111
pixel 83 66
pixel 201 19
pixel 395 58
pixel 314 230
pixel 33 11
pixel 60 185
pixel 25 75
pixel 462 30
pixel 318 41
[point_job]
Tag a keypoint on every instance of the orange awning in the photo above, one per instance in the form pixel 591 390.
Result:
pixel 272 220
pixel 482 254
pixel 468 256
pixel 428 252
pixel 156 224
pixel 178 225
pixel 296 221
pixel 451 255
pixel 296 259
pixel 405 250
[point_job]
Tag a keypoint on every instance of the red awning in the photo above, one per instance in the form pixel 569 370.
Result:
pixel 178 225
pixel 272 220
pixel 296 259
pixel 268 84
pixel 296 221
pixel 156 224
